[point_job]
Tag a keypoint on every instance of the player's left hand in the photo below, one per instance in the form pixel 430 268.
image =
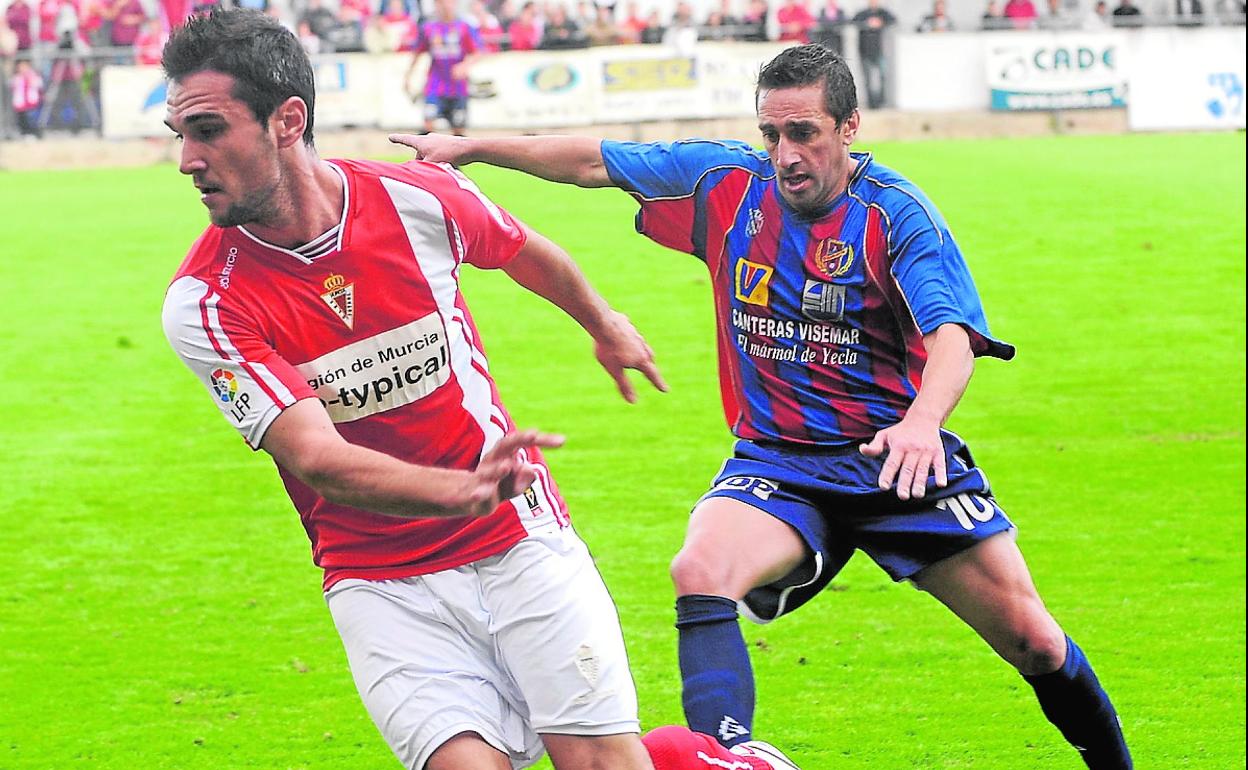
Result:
pixel 914 450
pixel 435 148
pixel 619 346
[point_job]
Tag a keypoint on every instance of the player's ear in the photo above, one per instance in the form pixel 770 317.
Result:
pixel 289 121
pixel 849 128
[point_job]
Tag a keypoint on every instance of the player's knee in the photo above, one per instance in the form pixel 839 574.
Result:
pixel 609 752
pixel 695 571
pixel 1039 650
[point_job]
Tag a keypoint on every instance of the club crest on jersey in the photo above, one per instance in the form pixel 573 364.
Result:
pixel 340 296
pixel 751 282
pixel 530 497
pixel 833 257
pixel 755 224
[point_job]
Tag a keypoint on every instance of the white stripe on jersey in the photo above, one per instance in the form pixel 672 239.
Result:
pixel 204 347
pixel 422 216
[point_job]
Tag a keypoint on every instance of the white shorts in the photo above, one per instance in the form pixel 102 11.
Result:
pixel 508 647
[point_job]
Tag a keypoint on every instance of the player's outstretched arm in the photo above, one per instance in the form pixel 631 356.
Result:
pixel 545 269
pixel 304 441
pixel 568 159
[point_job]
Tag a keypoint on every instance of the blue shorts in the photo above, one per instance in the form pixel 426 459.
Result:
pixel 833 499
pixel 452 109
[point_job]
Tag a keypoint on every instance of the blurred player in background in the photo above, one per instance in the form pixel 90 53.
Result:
pixel 322 312
pixel 451 45
pixel 848 326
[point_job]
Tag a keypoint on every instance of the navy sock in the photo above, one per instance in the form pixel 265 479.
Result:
pixel 1074 701
pixel 718 681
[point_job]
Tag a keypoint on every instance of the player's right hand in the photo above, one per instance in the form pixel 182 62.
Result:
pixel 435 148
pixel 503 472
pixel 619 346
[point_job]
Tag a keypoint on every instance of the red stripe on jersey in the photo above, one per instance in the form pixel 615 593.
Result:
pixel 666 222
pixel 724 203
pixel 209 294
pixel 891 315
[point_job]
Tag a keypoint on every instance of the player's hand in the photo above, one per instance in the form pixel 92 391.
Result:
pixel 913 450
pixel 503 473
pixel 619 346
pixel 435 148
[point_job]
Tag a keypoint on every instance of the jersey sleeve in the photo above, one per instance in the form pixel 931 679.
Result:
pixel 247 380
pixel 489 237
pixel 672 182
pixel 933 275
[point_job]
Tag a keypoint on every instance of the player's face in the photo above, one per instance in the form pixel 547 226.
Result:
pixel 231 157
pixel 808 150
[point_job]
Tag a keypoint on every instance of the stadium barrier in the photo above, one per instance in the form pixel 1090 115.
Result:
pixel 1172 78
pixel 941 85
pixel 1166 78
pixel 522 90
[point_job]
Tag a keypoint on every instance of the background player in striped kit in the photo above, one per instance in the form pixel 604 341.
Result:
pixel 452 46
pixel 322 312
pixel 848 325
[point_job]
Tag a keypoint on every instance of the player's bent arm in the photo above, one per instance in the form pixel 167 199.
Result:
pixel 950 364
pixel 545 269
pixel 567 159
pixel 304 441
pixel 913 447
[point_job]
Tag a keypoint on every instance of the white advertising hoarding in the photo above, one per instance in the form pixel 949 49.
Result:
pixel 531 89
pixel 1056 70
pixel 132 102
pixel 1187 79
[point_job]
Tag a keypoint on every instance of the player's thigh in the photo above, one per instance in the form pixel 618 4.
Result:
pixel 580 752
pixel 990 588
pixel 467 751
pixel 424 674
pixel 559 637
pixel 732 546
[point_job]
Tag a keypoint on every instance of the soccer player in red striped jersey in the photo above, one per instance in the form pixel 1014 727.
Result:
pixel 848 325
pixel 321 311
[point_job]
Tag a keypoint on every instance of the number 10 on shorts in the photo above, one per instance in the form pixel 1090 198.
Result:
pixel 968 509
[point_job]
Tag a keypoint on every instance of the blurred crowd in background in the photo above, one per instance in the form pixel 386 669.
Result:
pixel 51 51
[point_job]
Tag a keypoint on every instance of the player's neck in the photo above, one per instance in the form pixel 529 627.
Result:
pixel 313 198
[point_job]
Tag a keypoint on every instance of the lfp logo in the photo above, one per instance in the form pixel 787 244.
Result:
pixel 224 384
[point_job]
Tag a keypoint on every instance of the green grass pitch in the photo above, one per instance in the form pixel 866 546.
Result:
pixel 158 607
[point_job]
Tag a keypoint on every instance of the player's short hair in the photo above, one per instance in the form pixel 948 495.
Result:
pixel 805 65
pixel 266 60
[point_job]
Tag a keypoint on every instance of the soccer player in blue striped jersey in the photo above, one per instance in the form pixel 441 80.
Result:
pixel 848 325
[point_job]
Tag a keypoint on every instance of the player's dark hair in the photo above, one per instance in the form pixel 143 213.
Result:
pixel 265 59
pixel 805 65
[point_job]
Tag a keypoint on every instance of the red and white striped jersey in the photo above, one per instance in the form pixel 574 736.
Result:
pixel 368 318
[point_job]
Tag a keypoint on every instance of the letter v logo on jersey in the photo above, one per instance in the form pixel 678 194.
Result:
pixel 751 282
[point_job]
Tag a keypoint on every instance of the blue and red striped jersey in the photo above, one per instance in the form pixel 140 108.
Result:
pixel 821 317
